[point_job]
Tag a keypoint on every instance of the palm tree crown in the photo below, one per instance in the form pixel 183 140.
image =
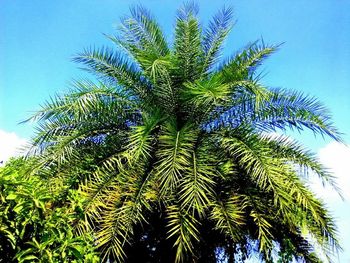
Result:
pixel 181 164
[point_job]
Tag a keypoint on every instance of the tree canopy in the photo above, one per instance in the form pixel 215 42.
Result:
pixel 170 155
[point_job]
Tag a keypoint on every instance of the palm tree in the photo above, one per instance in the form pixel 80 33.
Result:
pixel 182 162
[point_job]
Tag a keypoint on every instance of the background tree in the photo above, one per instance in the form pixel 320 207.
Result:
pixel 38 221
pixel 182 166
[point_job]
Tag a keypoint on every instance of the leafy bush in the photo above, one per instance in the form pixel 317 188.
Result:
pixel 35 224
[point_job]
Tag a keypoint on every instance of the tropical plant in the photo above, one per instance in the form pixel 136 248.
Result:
pixel 185 167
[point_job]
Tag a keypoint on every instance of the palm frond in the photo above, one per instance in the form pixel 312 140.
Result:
pixel 294 110
pixel 124 210
pixel 141 139
pixel 174 155
pixel 307 201
pixel 140 32
pixel 237 105
pixel 182 226
pixel 286 148
pixel 249 158
pixel 283 110
pixel 243 65
pixel 260 215
pixel 228 216
pixel 205 94
pixel 89 115
pixel 161 76
pixel 112 65
pixel 187 47
pixel 214 36
pixel 84 98
pixel 196 186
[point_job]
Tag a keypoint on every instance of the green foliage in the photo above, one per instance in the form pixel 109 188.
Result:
pixel 35 227
pixel 166 158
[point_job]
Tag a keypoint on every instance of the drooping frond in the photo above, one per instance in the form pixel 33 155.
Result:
pixel 277 177
pixel 196 185
pixel 91 113
pixel 84 98
pixel 282 110
pixel 114 167
pixel 264 236
pixel 95 189
pixel 125 208
pixel 228 216
pixel 294 110
pixel 286 148
pixel 141 139
pixel 248 158
pixel 183 227
pixel 174 155
pixel 321 225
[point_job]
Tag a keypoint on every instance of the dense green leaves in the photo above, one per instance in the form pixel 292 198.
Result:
pixel 37 225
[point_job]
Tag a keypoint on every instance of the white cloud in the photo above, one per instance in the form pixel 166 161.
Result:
pixel 336 157
pixel 10 145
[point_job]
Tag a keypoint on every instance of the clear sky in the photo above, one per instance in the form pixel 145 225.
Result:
pixel 38 39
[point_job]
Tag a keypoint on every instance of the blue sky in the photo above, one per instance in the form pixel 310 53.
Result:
pixel 38 39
